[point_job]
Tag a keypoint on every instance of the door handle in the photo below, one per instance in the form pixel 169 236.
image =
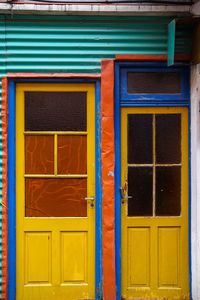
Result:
pixel 90 200
pixel 125 199
pixel 124 196
pixel 122 192
pixel 128 197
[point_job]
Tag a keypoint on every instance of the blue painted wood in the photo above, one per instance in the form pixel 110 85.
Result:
pixel 128 99
pixel 98 283
pixel 56 80
pixel 171 42
pixel 11 194
pixel 11 185
pixel 117 183
pixel 120 80
pixel 149 104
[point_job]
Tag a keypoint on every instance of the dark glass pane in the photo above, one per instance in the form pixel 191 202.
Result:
pixel 55 197
pixel 154 83
pixel 72 154
pixel 51 111
pixel 39 154
pixel 140 181
pixel 168 138
pixel 168 191
pixel 140 139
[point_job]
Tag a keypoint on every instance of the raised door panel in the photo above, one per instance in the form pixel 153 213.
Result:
pixel 74 257
pixel 169 257
pixel 38 258
pixel 138 257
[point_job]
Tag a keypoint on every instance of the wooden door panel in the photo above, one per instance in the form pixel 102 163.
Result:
pixel 39 154
pixel 55 167
pixel 38 258
pixel 154 207
pixel 138 251
pixel 55 197
pixel 169 257
pixel 76 148
pixel 74 257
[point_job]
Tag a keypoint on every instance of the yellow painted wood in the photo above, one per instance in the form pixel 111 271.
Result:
pixel 169 247
pixel 55 132
pixel 70 258
pixel 55 256
pixel 55 175
pixel 38 242
pixel 155 249
pixel 139 240
pixel 55 154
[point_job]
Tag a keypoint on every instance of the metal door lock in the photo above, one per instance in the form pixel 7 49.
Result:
pixel 123 192
pixel 125 199
pixel 90 200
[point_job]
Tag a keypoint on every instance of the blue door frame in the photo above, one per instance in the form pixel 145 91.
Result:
pixel 11 183
pixel 123 99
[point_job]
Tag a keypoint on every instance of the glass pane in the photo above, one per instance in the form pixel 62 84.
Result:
pixel 39 154
pixel 72 154
pixel 140 180
pixel 51 111
pixel 140 139
pixel 154 83
pixel 168 191
pixel 55 197
pixel 168 138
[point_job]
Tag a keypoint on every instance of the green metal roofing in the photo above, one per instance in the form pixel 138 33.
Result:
pixel 79 43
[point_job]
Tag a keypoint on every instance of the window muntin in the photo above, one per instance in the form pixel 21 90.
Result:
pixel 154 186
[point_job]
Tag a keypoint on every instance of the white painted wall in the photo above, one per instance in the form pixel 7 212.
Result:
pixel 96 9
pixel 195 180
pixel 195 8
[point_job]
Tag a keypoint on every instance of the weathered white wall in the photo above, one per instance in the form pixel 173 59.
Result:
pixel 195 180
pixel 85 8
pixel 195 8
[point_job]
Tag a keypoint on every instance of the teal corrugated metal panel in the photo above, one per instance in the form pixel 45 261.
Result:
pixel 171 42
pixel 77 44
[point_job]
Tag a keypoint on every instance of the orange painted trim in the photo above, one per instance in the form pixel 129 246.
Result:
pixel 144 57
pixel 52 75
pixel 108 185
pixel 4 190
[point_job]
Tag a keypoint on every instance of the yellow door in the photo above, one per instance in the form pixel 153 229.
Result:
pixel 55 191
pixel 154 160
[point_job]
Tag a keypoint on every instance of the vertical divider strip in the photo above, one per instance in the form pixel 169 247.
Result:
pixel 55 154
pixel 4 198
pixel 108 180
pixel 154 165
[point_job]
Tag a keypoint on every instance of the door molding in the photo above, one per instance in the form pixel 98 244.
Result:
pixel 120 100
pixel 11 176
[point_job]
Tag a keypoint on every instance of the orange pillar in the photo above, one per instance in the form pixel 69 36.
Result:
pixel 108 184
